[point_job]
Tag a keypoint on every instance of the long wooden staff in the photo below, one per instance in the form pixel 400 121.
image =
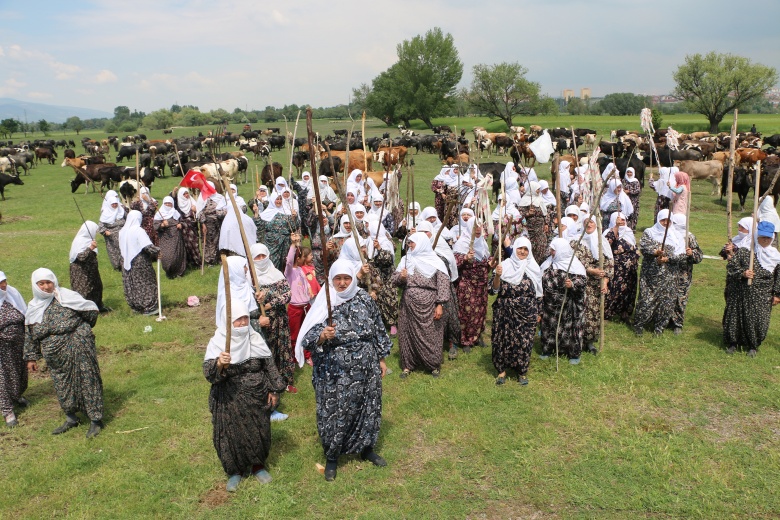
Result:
pixel 755 218
pixel 501 220
pixel 178 159
pixel 295 132
pixel 556 162
pixel 228 313
pixel 447 211
pixel 411 180
pixel 382 210
pixel 319 209
pixel 363 137
pixel 729 195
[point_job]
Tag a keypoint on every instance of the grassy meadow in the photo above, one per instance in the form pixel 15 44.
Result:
pixel 666 427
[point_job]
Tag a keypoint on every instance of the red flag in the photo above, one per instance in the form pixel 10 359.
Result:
pixel 196 179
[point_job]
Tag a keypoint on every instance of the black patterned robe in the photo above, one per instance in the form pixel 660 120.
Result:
pixel 684 279
pixel 85 277
pixel 140 282
pixel 515 312
pixel 657 286
pixel 573 317
pixel 13 370
pixel 112 241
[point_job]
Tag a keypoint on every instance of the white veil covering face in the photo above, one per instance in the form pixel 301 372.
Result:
pixel 591 240
pixel 132 238
pixel 743 239
pixel 230 235
pixel 239 287
pixel 86 234
pixel 109 215
pixel 609 196
pixel 319 309
pixel 480 245
pixel 513 268
pixel 563 259
pixel 12 296
pixel 245 342
pixel 41 300
pixel 267 273
pixel 673 238
pixel 624 232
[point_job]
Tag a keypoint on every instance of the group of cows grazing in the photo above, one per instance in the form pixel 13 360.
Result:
pixel 701 155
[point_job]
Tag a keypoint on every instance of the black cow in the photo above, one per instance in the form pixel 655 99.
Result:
pixel 6 179
pixel 299 160
pixel 741 184
pixel 772 140
pixel 341 133
pixel 275 130
pixel 126 152
pixel 276 142
pixel 300 141
pixel 582 132
pixel 667 156
pixel 609 148
pixel 559 132
pixel 325 168
pixel 622 163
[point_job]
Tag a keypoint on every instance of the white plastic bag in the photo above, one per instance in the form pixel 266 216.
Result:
pixel 542 148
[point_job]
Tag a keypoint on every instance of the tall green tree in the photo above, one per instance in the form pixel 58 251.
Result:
pixel 121 114
pixel 502 91
pixel 44 126
pixel 75 123
pixel 716 84
pixel 8 127
pixel 624 104
pixel 386 101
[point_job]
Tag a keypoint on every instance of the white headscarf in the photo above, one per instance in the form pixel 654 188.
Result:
pixel 509 177
pixel 609 197
pixel 85 236
pixel 447 175
pixel 548 197
pixel 239 287
pixel 278 191
pixel 166 213
pixel 109 215
pixel 533 197
pixel 184 203
pixel 145 191
pixel 624 232
pixel 350 253
pixel 445 251
pixel 673 238
pixel 767 256
pixel 12 296
pixel 230 235
pixel 509 209
pixel 513 268
pixel 573 229
pixel 377 210
pixel 768 213
pixel 318 312
pixel 132 238
pixel 272 210
pixel 591 240
pixel 308 184
pixel 384 242
pixel 480 245
pixel 342 232
pixel 267 273
pixel 41 300
pixel 245 342
pixel 238 198
pixel 411 221
pixel 326 192
pixel 564 177
pixel 632 176
pixel 564 254
pixel 422 259
pixel 743 239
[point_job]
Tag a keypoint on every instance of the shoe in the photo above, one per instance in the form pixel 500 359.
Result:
pixel 22 402
pixel 67 425
pixel 544 356
pixel 94 429
pixel 522 380
pixel 481 342
pixel 436 374
pixel 291 389
pixel 466 350
pixel 574 361
pixel 263 476
pixel 638 331
pixel 592 349
pixel 232 483
pixel 13 423
pixel 500 380
pixel 404 374
pixel 393 330
pixel 371 456
pixel 330 470
pixel 453 353
pixel 105 309
pixel 677 331
pixel 658 333
pixel 278 416
pixel 731 349
pixel 752 353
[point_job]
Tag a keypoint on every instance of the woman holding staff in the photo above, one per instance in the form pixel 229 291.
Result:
pixel 445 187
pixel 588 254
pixel 173 255
pixel 693 255
pixel 84 273
pixel 276 225
pixel 623 282
pixel 474 264
pixel 138 276
pixel 13 372
pixel 189 226
pixel 210 214
pixel 112 218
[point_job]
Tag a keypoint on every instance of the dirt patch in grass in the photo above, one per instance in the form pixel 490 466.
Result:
pixel 16 218
pixel 214 497
pixel 744 428
pixel 200 318
pixel 505 510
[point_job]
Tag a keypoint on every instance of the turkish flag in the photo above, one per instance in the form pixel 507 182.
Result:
pixel 196 179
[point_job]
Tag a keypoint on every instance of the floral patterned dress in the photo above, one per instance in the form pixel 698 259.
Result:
pixel 313 223
pixel 633 190
pixel 277 334
pixel 111 233
pixel 85 277
pixel 684 279
pixel 515 312
pixel 13 370
pixel 386 294
pixel 535 221
pixel 572 320
pixel 147 221
pixel 622 285
pixel 592 291
pixel 173 255
pixel 657 286
pixel 189 232
pixel 276 236
pixel 140 282
pixel 472 298
pixel 212 219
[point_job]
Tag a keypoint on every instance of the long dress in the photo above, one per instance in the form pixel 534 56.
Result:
pixel 212 218
pixel 173 254
pixel 684 279
pixel 276 236
pixel 633 190
pixel 112 241
pixel 420 337
pixel 347 378
pixel 85 277
pixel 189 233
pixel 592 291
pixel 657 286
pixel 573 317
pixel 240 414
pixel 515 311
pixel 13 371
pixel 277 334
pixel 147 221
pixel 472 298
pixel 535 222
pixel 140 282
pixel 748 307
pixel 383 267
pixel 65 340
pixel 623 282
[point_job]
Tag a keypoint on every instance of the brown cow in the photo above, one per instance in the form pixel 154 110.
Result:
pixel 749 156
pixel 358 159
pixel 393 155
pixel 701 170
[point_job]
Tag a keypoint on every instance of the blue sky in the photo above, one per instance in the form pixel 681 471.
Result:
pixel 234 53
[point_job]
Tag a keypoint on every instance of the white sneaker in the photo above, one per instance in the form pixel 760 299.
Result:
pixel 278 416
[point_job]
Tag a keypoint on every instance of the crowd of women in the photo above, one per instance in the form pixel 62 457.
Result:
pixel 553 277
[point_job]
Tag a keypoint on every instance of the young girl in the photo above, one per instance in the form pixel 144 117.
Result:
pixel 302 284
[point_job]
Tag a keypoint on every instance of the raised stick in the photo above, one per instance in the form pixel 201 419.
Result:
pixel 228 313
pixel 755 218
pixel 729 195
pixel 363 138
pixel 447 210
pixel 295 132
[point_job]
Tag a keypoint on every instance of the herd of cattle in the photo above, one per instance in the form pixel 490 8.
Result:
pixel 701 155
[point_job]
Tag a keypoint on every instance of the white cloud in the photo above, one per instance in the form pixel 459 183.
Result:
pixel 279 18
pixel 105 76
pixel 39 95
pixel 15 83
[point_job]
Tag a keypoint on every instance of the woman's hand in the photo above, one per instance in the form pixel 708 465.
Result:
pixel 327 333
pixel 748 274
pixel 500 270
pixel 662 260
pixel 605 286
pixel 223 360
pixel 659 252
pixel 365 270
pixel 775 300
pixel 377 247
pixel 178 226
pixel 264 321
pixel 93 245
pixel 273 399
pixel 470 255
pixel 437 312
pixel 165 223
pixel 108 233
pixel 383 366
pixel 32 366
pixel 568 283
pixel 404 273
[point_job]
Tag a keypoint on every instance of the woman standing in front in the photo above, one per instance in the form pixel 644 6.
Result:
pixel 13 373
pixel 516 311
pixel 59 329
pixel 138 276
pixel 622 284
pixel 349 363
pixel 189 226
pixel 275 225
pixel 112 218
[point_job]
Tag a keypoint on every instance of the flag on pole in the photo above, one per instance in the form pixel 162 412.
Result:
pixel 196 179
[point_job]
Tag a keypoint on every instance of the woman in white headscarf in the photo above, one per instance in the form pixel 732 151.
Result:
pixel 534 211
pixel 456 230
pixel 210 217
pixel 318 237
pixel 138 276
pixel 240 202
pixel 406 226
pixel 349 363
pixel 623 282
pixel 445 187
pixel 84 273
pixel 355 185
pixel 112 218
pixel 657 281
pixel 425 282
pixel 564 180
pixel 474 264
pixel 614 200
pixel 59 329
pixel 245 386
pixel 189 226
pixel 147 206
pixel 743 238
pixel 307 184
pixel 768 213
pixel 280 184
pixel 748 311
pixel 173 254
pixel 327 194
pixel 240 289
pixel 230 240
pixel 275 226
pixel 563 285
pixel 261 200
pixel 693 255
pixel 516 311
pixel 380 252
pixel 510 219
pixel 509 182
pixel 13 371
pixel 633 189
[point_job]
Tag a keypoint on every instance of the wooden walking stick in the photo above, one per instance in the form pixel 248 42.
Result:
pixel 556 162
pixel 382 211
pixel 411 180
pixel 755 219
pixel 363 137
pixel 228 313
pixel 320 216
pixel 501 219
pixel 178 159
pixel 295 132
pixel 729 195
pixel 447 210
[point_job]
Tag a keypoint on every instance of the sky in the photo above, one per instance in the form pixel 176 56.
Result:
pixel 150 54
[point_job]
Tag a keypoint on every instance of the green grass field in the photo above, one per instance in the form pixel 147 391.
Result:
pixel 666 427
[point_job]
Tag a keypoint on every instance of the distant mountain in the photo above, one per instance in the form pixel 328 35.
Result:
pixel 15 109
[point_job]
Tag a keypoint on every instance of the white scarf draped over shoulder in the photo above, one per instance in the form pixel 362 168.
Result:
pixel 12 296
pixel 41 300
pixel 239 287
pixel 422 258
pixel 513 268
pixel 563 259
pixel 624 232
pixel 86 234
pixel 245 342
pixel 673 238
pixel 132 238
